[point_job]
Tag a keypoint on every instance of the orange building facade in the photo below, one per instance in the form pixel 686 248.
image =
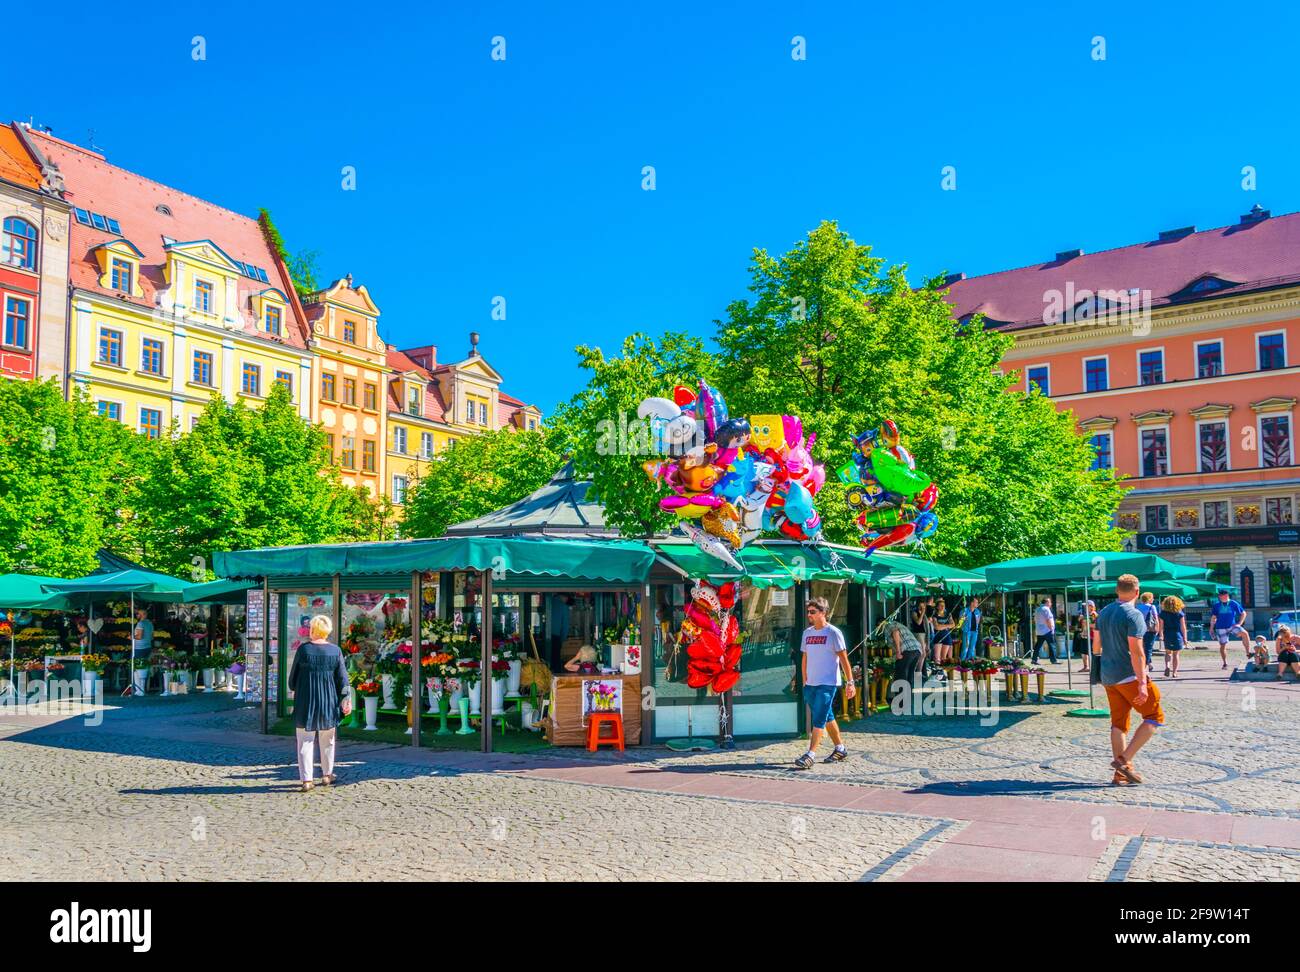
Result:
pixel 1179 358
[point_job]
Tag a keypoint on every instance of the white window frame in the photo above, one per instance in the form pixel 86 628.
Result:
pixel 1227 442
pixel 1286 355
pixel 1095 357
pixel 400 449
pixel 1164 365
pixel 5 297
pixel 483 414
pixel 418 396
pixel 1169 451
pixel 1223 362
pixel 426 439
pixel 1259 438
pixel 406 484
pixel 1031 367
pixel 162 356
pixel 121 344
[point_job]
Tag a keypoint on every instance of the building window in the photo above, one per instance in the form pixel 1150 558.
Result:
pixel 202 368
pixel 1216 514
pixel 369 399
pixel 1209 359
pixel 1220 571
pixel 203 296
pixel 1277 510
pixel 349 391
pixel 251 383
pixel 350 332
pixel 1213 446
pixel 532 424
pixel 1103 458
pixel 327 386
pixel 18 317
pixel 1281 584
pixel 451 443
pixel 426 445
pixel 1157 518
pixel 1155 452
pixel 1151 367
pixel 349 456
pixel 1094 374
pixel 151 356
pixel 110 347
pixel 1272 351
pixel 469 412
pixel 399 489
pixel 285 378
pixel 399 439
pixel 274 320
pixel 1275 440
pixel 482 413
pixel 18 244
pixel 368 455
pixel 121 276
pixel 1038 377
pixel 151 422
pixel 329 446
pixel 413 395
pixel 110 410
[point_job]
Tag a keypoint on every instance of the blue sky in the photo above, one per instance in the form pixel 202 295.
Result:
pixel 522 178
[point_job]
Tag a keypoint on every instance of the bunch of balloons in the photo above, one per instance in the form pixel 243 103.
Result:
pixel 893 500
pixel 711 634
pixel 731 479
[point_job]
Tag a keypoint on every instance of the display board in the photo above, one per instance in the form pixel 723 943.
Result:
pixel 254 645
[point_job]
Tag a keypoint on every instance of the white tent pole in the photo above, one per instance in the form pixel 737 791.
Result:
pixel 130 690
pixel 1087 637
pixel 1069 642
pixel 12 685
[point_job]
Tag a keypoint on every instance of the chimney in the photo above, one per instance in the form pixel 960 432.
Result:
pixel 1176 234
pixel 1065 255
pixel 473 344
pixel 952 278
pixel 1257 214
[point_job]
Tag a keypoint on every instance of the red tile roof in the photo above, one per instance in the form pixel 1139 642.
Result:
pixel 16 164
pixel 434 407
pixel 1250 255
pixel 92 183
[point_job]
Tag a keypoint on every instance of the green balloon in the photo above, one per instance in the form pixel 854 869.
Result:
pixel 894 474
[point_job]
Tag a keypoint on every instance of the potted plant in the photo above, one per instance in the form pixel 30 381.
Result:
pixel 238 666
pixel 369 691
pixel 500 676
pixel 469 678
pixel 431 669
pixel 92 670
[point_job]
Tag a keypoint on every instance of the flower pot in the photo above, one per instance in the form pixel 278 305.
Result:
pixel 1042 679
pixel 139 679
pixel 433 691
pixel 240 686
pixel 455 692
pixel 389 683
pixel 89 684
pixel 498 696
pixel 516 669
pixel 475 695
pixel 209 679
pixel 372 711
pixel 1023 678
pixel 526 715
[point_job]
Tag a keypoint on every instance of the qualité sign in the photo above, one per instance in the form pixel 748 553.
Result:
pixel 1258 536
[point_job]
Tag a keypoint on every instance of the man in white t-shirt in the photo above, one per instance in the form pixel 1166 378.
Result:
pixel 1045 629
pixel 825 668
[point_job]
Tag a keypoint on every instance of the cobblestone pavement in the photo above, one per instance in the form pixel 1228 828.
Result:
pixel 186 789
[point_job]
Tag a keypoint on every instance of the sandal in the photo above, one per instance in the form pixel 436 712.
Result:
pixel 329 780
pixel 1126 769
pixel 306 787
pixel 1118 780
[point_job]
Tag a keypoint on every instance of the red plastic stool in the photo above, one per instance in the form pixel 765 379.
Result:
pixel 598 719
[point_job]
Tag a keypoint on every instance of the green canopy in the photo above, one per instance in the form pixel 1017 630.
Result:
pixel 145 585
pixel 602 561
pixel 26 592
pixel 218 592
pixel 779 565
pixel 905 565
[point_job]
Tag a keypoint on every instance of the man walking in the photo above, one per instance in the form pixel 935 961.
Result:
pixel 1226 616
pixel 1045 630
pixel 1117 640
pixel 825 657
pixel 970 629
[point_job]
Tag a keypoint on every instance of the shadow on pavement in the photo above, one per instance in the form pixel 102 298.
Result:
pixel 1004 788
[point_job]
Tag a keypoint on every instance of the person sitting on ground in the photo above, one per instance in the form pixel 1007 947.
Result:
pixel 1260 653
pixel 1288 655
pixel 1174 625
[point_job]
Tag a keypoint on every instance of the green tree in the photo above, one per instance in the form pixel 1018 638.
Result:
pixel 302 267
pixel 481 474
pixel 242 478
pixel 599 429
pixel 66 478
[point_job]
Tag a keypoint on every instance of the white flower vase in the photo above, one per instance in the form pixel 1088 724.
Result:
pixel 498 696
pixel 475 698
pixel 455 694
pixel 209 679
pixel 89 682
pixel 433 688
pixel 389 682
pixel 139 679
pixel 239 686
pixel 187 678
pixel 526 715
pixel 372 711
pixel 516 670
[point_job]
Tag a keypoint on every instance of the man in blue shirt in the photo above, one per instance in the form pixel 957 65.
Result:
pixel 970 629
pixel 1226 617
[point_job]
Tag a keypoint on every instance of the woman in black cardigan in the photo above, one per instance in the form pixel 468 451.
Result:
pixel 318 679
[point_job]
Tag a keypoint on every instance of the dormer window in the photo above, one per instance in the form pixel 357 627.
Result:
pixel 413 396
pixel 1206 284
pixel 122 272
pixel 274 320
pixel 203 296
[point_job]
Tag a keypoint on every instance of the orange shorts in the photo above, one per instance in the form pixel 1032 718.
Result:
pixel 1121 702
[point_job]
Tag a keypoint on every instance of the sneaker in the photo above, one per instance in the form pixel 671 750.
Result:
pixel 836 756
pixel 804 762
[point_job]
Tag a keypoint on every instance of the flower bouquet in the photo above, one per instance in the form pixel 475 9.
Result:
pixel 602 696
pixel 94 663
pixel 368 688
pixel 396 626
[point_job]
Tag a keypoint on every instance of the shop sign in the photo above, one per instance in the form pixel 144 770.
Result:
pixel 1259 536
